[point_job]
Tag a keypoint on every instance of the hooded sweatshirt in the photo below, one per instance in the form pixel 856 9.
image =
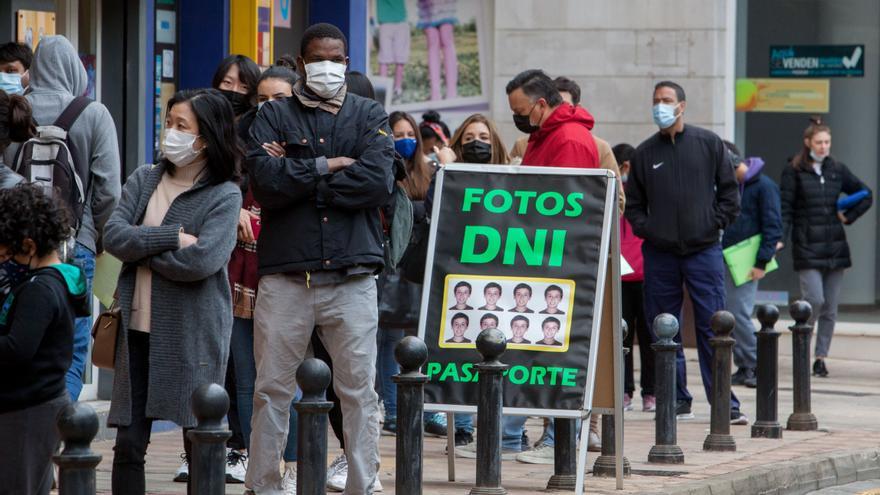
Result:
pixel 57 77
pixel 36 335
pixel 760 214
pixel 564 140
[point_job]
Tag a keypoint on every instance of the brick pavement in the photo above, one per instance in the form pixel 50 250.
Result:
pixel 846 405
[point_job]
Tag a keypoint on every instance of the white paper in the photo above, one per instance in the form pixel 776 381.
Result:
pixel 625 269
pixel 168 64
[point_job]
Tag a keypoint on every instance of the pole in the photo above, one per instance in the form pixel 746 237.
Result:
pixel 313 378
pixel 77 426
pixel 766 411
pixel 665 450
pixel 491 345
pixel 719 438
pixel 802 419
pixel 207 474
pixel 411 353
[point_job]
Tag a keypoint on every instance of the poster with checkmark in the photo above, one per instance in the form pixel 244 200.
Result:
pixel 817 61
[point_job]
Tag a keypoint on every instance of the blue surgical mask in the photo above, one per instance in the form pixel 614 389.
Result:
pixel 11 83
pixel 406 147
pixel 664 115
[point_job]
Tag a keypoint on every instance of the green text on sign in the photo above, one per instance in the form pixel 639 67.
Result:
pixel 553 376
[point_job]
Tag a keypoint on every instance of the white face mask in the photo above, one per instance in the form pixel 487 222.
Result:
pixel 178 147
pixel 325 78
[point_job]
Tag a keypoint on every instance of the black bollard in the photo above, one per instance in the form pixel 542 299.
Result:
pixel 564 458
pixel 719 438
pixel 313 378
pixel 411 353
pixel 491 345
pixel 77 426
pixel 802 419
pixel 665 450
pixel 207 466
pixel 605 464
pixel 766 423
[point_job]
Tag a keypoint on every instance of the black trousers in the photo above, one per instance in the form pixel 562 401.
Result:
pixel 634 315
pixel 132 440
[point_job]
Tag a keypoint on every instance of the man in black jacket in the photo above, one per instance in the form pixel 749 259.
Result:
pixel 320 244
pixel 680 195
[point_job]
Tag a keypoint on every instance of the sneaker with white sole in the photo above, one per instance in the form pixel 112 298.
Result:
pixel 236 466
pixel 594 443
pixel 377 486
pixel 182 473
pixel 288 481
pixel 337 474
pixel 542 454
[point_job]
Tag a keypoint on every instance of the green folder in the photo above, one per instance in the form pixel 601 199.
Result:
pixel 741 257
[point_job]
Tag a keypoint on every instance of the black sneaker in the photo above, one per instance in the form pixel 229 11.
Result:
pixel 739 378
pixel 738 418
pixel 463 438
pixel 751 379
pixel 819 368
pixel 683 410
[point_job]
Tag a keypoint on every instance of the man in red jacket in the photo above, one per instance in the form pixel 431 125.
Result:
pixel 560 132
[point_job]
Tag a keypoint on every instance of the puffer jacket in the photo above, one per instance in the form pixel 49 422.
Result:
pixel 809 214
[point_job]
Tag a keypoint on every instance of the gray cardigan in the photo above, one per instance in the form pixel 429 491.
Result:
pixel 191 313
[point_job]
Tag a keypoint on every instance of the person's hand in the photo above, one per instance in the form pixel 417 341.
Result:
pixel 338 163
pixel 274 149
pixel 756 274
pixel 842 218
pixel 187 240
pixel 445 155
pixel 779 246
pixel 245 229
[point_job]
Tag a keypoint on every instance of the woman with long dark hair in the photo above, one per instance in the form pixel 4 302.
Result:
pixel 813 214
pixel 236 78
pixel 174 230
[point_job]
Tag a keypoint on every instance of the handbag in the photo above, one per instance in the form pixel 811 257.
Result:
pixel 399 301
pixel 104 333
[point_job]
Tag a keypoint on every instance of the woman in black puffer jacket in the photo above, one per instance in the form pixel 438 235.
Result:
pixel 811 188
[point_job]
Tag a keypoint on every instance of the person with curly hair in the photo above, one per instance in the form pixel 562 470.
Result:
pixel 174 231
pixel 36 335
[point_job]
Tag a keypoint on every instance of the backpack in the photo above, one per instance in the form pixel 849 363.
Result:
pixel 48 160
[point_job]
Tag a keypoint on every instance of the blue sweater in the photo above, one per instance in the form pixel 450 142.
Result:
pixel 761 214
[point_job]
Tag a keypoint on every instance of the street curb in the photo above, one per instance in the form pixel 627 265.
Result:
pixel 795 477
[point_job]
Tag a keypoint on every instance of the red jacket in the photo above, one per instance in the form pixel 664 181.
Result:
pixel 631 250
pixel 564 140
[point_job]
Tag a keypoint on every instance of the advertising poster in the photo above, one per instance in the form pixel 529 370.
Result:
pixel 783 95
pixel 33 25
pixel 427 54
pixel 817 61
pixel 519 249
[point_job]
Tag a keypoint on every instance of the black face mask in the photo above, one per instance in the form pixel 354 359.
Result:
pixel 523 123
pixel 240 102
pixel 476 152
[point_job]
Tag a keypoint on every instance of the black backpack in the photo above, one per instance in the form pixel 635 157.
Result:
pixel 49 160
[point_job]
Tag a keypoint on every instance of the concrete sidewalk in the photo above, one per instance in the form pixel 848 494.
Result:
pixel 846 449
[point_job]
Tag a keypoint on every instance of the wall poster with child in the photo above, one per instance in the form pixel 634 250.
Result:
pixel 519 249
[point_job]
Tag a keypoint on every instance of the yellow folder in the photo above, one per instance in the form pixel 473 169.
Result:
pixel 741 257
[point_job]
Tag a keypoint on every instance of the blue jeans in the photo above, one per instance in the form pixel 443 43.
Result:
pixel 242 350
pixel 386 367
pixel 741 302
pixel 82 332
pixel 703 274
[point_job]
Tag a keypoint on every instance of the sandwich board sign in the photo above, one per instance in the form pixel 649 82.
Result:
pixel 526 250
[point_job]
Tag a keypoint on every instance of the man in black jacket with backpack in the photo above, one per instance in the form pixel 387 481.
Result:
pixel 680 195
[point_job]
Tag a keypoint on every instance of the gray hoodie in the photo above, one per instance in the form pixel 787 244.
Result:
pixel 57 76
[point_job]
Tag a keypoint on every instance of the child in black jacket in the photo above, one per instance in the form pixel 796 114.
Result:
pixel 36 334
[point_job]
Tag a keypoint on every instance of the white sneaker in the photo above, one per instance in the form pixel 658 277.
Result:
pixel 594 443
pixel 236 466
pixel 337 474
pixel 288 481
pixel 377 486
pixel 542 454
pixel 182 474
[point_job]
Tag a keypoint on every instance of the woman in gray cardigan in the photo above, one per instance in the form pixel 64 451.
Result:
pixel 174 230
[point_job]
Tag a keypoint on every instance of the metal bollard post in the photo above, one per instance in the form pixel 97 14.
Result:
pixel 491 345
pixel 605 464
pixel 564 458
pixel 802 419
pixel 719 438
pixel 766 423
pixel 313 378
pixel 665 450
pixel 77 426
pixel 207 475
pixel 411 353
